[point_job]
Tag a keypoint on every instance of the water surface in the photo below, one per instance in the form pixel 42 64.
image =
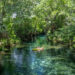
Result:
pixel 24 61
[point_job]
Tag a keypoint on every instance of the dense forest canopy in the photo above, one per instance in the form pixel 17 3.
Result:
pixel 24 19
pixel 37 37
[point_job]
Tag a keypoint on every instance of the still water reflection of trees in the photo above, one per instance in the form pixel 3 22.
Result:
pixel 24 61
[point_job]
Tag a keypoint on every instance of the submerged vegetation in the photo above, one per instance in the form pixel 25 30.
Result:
pixel 23 21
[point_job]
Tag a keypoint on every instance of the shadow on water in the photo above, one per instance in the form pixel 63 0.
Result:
pixel 24 61
pixel 1 69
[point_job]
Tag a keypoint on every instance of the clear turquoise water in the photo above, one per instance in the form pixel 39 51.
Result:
pixel 24 61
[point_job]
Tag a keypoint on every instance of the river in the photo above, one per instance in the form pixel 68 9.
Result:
pixel 25 61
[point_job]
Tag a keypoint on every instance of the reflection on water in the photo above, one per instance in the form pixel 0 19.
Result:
pixel 24 61
pixel 17 57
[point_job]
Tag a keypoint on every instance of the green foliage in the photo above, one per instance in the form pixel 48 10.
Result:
pixel 58 16
pixel 66 33
pixel 23 29
pixel 25 18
